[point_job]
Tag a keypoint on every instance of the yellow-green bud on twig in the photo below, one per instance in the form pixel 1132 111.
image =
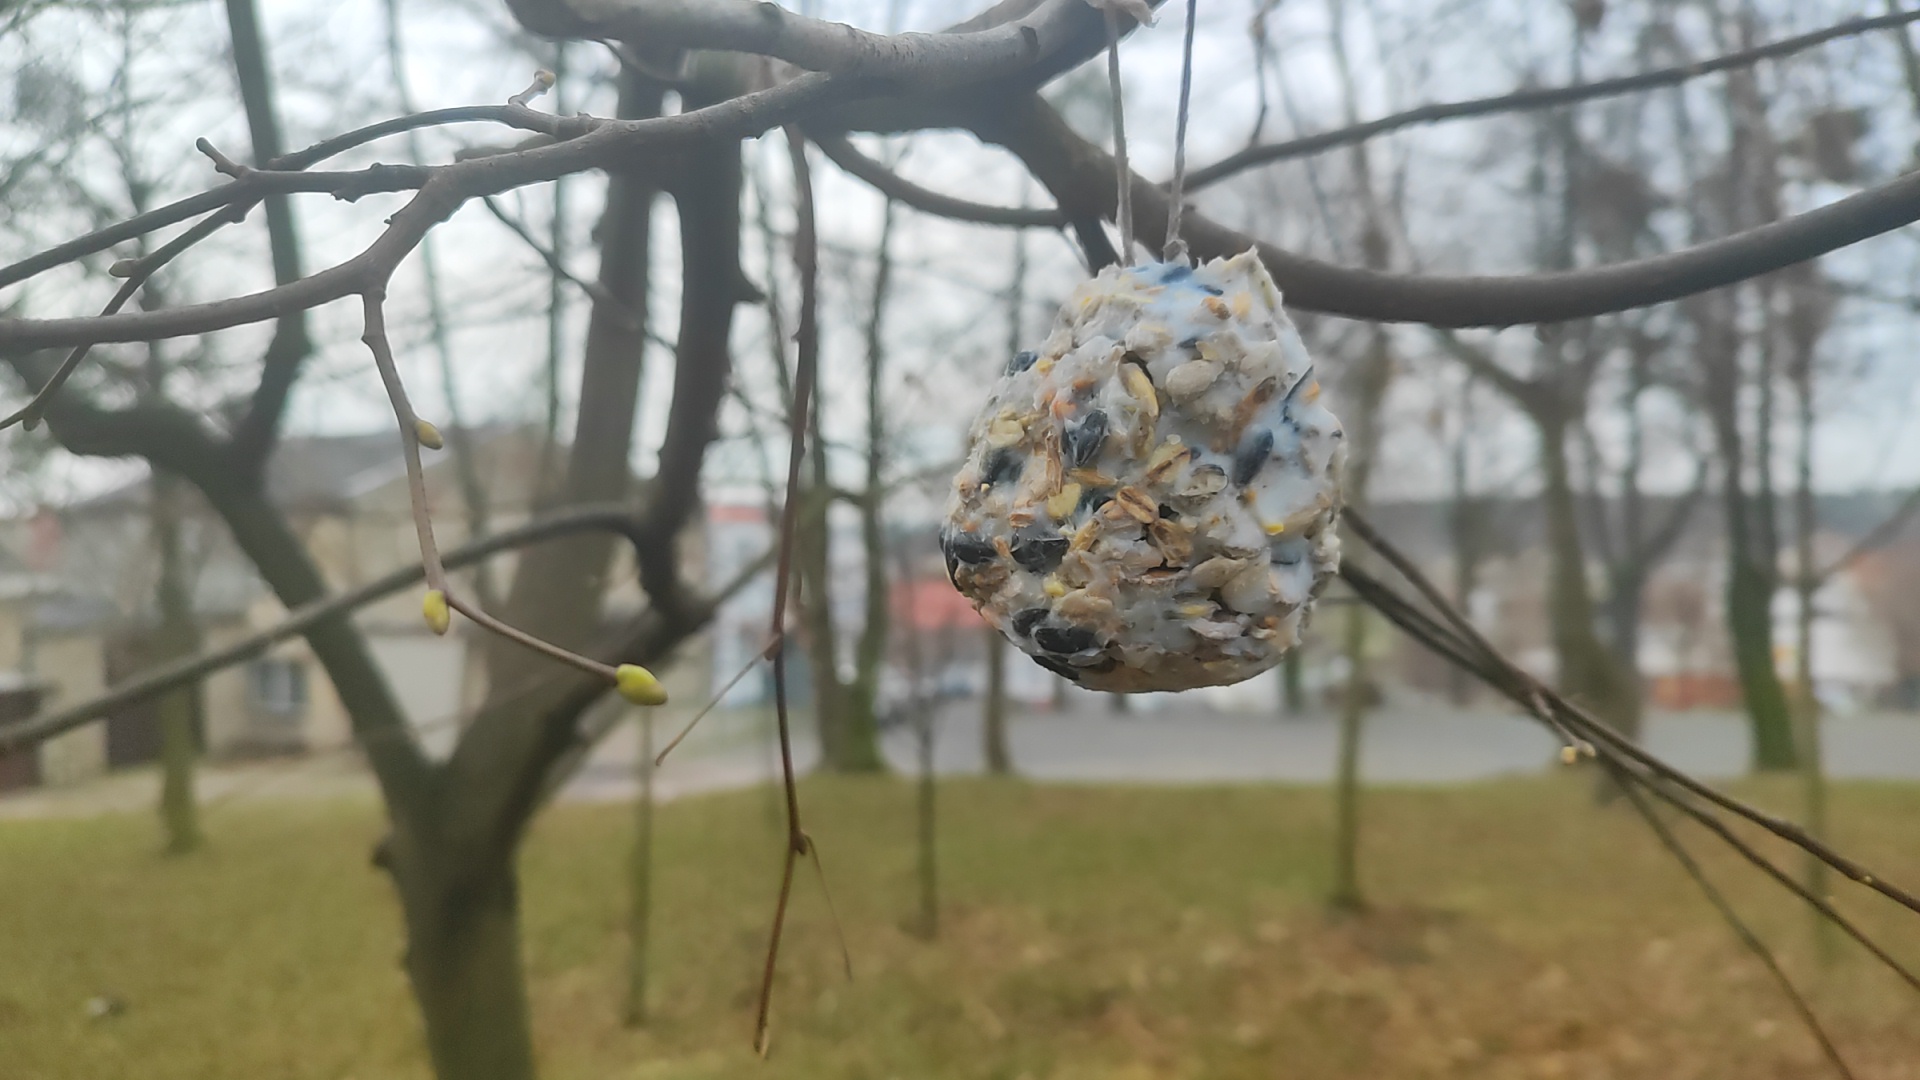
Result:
pixel 434 607
pixel 638 685
pixel 428 435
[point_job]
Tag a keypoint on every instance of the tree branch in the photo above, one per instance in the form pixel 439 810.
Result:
pixel 1008 38
pixel 843 153
pixel 275 176
pixel 1079 174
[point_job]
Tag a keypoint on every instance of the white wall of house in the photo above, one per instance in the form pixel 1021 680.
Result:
pixel 75 670
pixel 426 673
pixel 1853 654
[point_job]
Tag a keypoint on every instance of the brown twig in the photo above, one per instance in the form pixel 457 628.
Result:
pixel 137 273
pixel 1634 778
pixel 1479 656
pixel 806 336
pixel 1732 918
pixel 714 702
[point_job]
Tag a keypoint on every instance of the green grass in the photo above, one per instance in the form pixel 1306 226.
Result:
pixel 1088 932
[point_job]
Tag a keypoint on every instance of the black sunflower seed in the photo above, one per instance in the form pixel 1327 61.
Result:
pixel 1084 438
pixel 1102 665
pixel 1094 499
pixel 969 549
pixel 1021 361
pixel 1025 621
pixel 1001 467
pixel 1039 553
pixel 1064 639
pixel 1251 456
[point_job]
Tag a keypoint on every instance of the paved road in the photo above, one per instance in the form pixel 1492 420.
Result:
pixel 1405 742
pixel 1413 743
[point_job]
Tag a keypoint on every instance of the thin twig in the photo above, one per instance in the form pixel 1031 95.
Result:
pixel 521 637
pixel 595 291
pixel 752 662
pixel 1733 920
pixel 375 337
pixel 1510 680
pixel 806 363
pixel 137 273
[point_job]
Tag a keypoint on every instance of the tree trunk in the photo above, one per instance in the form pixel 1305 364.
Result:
pixel 463 959
pixel 928 830
pixel 1345 893
pixel 1293 689
pixel 1813 777
pixel 640 900
pixel 179 636
pixel 1589 671
pixel 993 719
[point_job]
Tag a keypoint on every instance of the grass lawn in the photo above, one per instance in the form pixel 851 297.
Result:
pixel 1088 932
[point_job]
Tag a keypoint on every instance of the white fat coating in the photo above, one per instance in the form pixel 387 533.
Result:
pixel 1148 501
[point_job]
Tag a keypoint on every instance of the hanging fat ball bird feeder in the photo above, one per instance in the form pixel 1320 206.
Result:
pixel 1148 500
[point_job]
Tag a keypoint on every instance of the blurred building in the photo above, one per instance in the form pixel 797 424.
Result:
pixel 77 602
pixel 1866 631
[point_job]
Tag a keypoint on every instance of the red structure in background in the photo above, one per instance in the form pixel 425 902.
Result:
pixel 930 604
pixel 1694 690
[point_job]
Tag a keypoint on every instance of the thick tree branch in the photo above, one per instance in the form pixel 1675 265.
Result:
pixel 1080 176
pixel 1536 99
pixel 1007 39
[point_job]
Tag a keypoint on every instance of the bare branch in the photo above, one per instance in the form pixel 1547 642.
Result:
pixel 1502 675
pixel 442 189
pixel 244 191
pixel 1010 37
pixel 843 153
pixel 1536 99
pixel 594 290
pixel 1078 173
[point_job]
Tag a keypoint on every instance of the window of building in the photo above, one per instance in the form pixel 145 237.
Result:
pixel 277 688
